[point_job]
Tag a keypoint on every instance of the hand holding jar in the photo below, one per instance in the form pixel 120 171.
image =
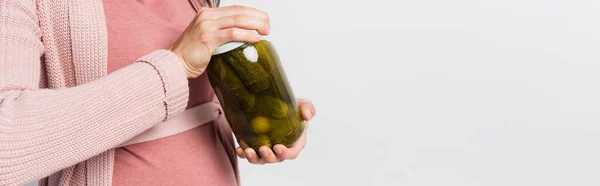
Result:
pixel 280 152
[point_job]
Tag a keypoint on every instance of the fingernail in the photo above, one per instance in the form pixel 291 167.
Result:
pixel 307 113
pixel 278 150
pixel 248 155
pixel 264 153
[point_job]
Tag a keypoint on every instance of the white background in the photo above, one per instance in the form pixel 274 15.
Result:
pixel 438 93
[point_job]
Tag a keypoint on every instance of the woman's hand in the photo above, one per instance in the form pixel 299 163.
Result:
pixel 281 152
pixel 213 27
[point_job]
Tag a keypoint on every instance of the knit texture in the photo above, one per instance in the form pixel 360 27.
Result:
pixel 60 113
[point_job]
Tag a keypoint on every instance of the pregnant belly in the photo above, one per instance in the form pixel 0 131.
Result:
pixel 194 157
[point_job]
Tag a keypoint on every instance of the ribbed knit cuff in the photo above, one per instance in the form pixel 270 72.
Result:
pixel 175 82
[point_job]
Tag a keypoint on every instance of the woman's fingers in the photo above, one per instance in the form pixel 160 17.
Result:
pixel 226 11
pixel 240 152
pixel 307 113
pixel 307 108
pixel 244 21
pixel 234 16
pixel 237 34
pixel 279 150
pixel 251 156
pixel 287 153
pixel 267 155
pixel 278 154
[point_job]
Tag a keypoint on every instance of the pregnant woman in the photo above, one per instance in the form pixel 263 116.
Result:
pixel 113 92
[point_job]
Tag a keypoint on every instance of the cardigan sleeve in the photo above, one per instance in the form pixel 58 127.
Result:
pixel 43 131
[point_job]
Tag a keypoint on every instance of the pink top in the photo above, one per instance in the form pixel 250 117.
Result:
pixel 194 157
pixel 61 114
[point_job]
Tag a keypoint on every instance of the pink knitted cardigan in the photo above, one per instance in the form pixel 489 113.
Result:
pixel 60 113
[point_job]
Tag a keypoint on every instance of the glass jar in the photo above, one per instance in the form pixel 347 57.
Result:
pixel 255 94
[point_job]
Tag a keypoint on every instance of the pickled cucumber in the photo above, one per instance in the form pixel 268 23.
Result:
pixel 251 74
pixel 280 135
pixel 223 75
pixel 269 59
pixel 270 106
pixel 285 131
pixel 260 125
pixel 243 144
pixel 264 140
pixel 264 56
pixel 217 71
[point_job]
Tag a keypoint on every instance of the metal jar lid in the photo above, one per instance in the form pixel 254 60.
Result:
pixel 249 52
pixel 228 47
